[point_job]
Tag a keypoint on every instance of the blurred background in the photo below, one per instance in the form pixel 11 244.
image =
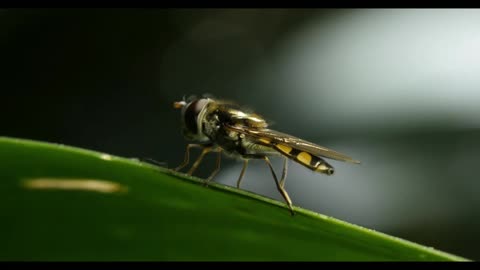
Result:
pixel 397 89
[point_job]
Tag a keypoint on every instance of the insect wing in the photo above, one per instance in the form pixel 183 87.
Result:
pixel 270 137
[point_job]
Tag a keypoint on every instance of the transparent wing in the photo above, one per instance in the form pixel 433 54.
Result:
pixel 268 136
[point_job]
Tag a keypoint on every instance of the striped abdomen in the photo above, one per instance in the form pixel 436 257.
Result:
pixel 308 160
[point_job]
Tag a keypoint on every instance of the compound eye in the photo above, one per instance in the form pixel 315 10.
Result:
pixel 192 111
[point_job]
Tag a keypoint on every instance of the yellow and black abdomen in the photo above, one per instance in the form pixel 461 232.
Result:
pixel 306 159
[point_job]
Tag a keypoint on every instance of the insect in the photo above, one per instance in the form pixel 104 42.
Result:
pixel 223 126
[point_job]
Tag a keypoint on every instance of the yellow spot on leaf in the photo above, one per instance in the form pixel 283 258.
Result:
pixel 106 157
pixel 94 185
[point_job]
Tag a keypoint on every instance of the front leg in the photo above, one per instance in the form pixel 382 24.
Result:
pixel 187 155
pixel 217 166
pixel 206 150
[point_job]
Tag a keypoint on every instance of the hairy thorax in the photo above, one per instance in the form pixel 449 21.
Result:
pixel 233 143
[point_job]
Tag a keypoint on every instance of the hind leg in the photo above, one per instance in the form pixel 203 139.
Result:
pixel 280 187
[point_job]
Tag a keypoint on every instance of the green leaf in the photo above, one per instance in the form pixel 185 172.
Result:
pixel 64 203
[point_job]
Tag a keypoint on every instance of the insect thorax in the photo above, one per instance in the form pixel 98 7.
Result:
pixel 234 143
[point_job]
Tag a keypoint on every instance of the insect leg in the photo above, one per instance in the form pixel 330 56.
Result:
pixel 284 173
pixel 217 166
pixel 245 164
pixel 282 191
pixel 187 156
pixel 199 159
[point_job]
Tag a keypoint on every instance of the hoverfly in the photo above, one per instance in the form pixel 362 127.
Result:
pixel 222 126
